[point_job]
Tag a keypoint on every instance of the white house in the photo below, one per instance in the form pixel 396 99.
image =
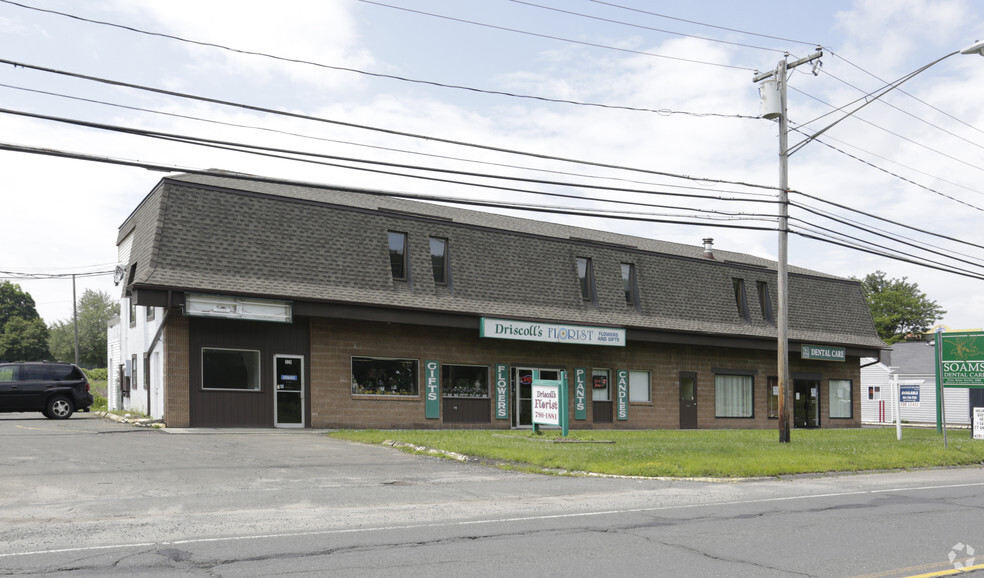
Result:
pixel 908 370
pixel 135 351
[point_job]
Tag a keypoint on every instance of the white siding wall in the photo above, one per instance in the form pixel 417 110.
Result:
pixel 957 400
pixel 135 339
pixel 113 362
pixel 876 375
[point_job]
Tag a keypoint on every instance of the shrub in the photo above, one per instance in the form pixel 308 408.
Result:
pixel 98 374
pixel 100 403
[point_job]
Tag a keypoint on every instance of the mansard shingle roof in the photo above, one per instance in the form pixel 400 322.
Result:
pixel 230 234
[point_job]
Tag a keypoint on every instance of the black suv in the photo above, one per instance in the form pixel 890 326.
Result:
pixel 55 389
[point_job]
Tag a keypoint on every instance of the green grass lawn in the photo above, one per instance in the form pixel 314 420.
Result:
pixel 705 453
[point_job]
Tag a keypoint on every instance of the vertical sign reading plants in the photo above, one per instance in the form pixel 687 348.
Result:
pixel 501 391
pixel 580 393
pixel 622 394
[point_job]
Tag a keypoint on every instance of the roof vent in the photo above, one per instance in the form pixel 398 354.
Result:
pixel 708 248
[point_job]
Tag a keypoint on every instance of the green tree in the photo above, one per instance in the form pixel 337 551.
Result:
pixel 15 303
pixel 95 309
pixel 898 307
pixel 61 340
pixel 24 340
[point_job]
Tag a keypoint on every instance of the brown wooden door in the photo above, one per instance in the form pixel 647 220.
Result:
pixel 688 401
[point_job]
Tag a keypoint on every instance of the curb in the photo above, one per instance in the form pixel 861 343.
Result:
pixel 127 419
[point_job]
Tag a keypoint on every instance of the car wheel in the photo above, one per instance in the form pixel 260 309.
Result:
pixel 59 408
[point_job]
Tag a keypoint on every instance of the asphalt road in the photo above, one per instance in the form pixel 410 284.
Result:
pixel 92 497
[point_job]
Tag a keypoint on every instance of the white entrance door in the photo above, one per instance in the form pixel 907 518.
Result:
pixel 288 400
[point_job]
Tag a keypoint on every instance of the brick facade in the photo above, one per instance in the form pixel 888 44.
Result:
pixel 334 342
pixel 177 371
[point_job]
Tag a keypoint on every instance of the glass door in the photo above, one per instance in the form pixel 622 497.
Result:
pixel 289 390
pixel 806 403
pixel 523 390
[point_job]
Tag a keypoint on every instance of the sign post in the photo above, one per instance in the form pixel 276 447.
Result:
pixel 550 403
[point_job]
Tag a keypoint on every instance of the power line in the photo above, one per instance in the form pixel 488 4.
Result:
pixel 277 152
pixel 549 37
pixel 698 23
pixel 912 96
pixel 642 27
pixel 373 128
pixel 660 111
pixel 896 175
pixel 904 179
pixel 363 145
pixel 40 276
pixel 471 202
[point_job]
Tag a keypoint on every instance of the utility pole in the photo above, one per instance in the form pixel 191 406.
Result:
pixel 75 319
pixel 782 319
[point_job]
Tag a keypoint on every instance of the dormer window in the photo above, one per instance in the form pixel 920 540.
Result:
pixel 629 284
pixel 741 299
pixel 439 260
pixel 585 277
pixel 765 302
pixel 398 255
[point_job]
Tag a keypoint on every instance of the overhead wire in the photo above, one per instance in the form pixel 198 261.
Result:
pixel 705 24
pixel 904 179
pixel 643 27
pixel 566 160
pixel 895 175
pixel 370 146
pixel 398 195
pixel 382 130
pixel 559 38
pixel 472 202
pixel 660 111
pixel 314 158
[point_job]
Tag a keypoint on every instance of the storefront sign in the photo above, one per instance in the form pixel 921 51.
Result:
pixel 546 404
pixel 432 380
pixel 550 402
pixel 227 307
pixel 551 332
pixel 961 359
pixel 622 394
pixel 580 393
pixel 501 391
pixel 979 423
pixel 823 352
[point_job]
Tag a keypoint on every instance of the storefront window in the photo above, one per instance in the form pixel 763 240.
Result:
pixel 379 376
pixel 465 380
pixel 840 398
pixel 228 369
pixel 639 386
pixel 599 385
pixel 733 396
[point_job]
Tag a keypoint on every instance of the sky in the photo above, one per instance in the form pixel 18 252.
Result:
pixel 895 181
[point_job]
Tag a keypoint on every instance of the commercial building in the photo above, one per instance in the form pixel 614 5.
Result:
pixel 279 304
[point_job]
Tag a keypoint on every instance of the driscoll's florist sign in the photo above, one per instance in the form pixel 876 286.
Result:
pixel 551 332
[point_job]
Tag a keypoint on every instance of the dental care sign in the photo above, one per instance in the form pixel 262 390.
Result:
pixel 551 332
